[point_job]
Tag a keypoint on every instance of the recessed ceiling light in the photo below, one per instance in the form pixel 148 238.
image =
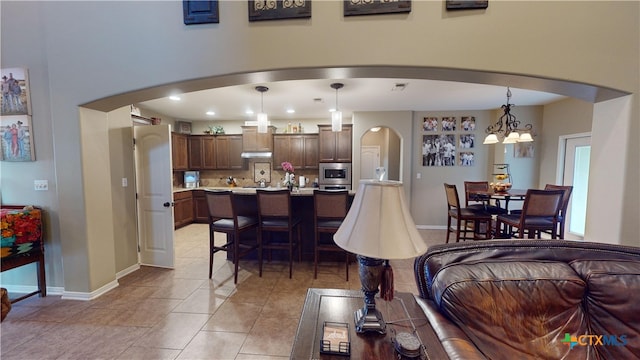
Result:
pixel 211 113
pixel 332 110
pixel 249 112
pixel 174 98
pixel 290 111
pixel 375 129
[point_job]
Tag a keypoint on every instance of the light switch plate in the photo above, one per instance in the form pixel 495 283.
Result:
pixel 41 185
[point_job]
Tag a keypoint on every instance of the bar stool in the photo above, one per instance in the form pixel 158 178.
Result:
pixel 463 217
pixel 224 218
pixel 330 208
pixel 275 215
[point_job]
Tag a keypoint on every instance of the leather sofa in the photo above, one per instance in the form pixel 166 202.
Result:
pixel 531 299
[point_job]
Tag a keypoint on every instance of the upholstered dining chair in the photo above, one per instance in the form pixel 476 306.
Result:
pixel 477 202
pixel 539 213
pixel 465 218
pixel 330 209
pixel 224 218
pixel 563 209
pixel 275 215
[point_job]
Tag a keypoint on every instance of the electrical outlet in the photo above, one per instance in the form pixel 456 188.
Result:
pixel 41 185
pixel 418 176
pixel 124 182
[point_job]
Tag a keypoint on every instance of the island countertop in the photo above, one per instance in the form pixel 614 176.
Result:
pixel 306 191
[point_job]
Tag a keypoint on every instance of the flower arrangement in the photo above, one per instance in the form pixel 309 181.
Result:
pixel 20 226
pixel 289 178
pixel 287 167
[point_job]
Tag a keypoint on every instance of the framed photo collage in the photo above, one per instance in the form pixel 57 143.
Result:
pixel 448 141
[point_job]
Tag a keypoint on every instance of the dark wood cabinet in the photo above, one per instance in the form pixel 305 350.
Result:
pixel 301 150
pixel 200 207
pixel 334 146
pixel 202 152
pixel 252 140
pixel 228 151
pixel 180 151
pixel 182 209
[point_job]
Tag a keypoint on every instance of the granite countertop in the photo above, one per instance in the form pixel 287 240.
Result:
pixel 306 191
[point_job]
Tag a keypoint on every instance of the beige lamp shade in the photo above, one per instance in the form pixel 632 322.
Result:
pixel 379 224
pixel 491 139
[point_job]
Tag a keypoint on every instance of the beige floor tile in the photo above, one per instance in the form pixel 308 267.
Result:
pixel 142 353
pixel 234 317
pixel 260 357
pixel 174 332
pixel 214 345
pixel 201 301
pixel 271 336
pixel 106 343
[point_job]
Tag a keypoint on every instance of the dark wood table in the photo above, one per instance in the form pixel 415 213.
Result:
pixel 511 194
pixel 402 314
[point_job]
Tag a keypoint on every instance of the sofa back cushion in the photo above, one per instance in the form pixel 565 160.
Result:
pixel 515 309
pixel 613 306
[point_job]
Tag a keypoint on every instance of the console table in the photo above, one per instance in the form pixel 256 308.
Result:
pixel 402 314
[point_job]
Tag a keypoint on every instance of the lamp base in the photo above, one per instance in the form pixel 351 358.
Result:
pixel 369 320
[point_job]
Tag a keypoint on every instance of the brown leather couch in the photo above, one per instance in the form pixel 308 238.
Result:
pixel 531 299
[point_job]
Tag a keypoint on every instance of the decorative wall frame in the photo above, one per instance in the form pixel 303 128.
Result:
pixel 16 99
pixel 375 7
pixel 439 150
pixel 183 127
pixel 466 158
pixel 468 123
pixel 467 141
pixel 449 123
pixel 466 4
pixel 430 124
pixel 200 12
pixel 523 150
pixel 16 138
pixel 260 10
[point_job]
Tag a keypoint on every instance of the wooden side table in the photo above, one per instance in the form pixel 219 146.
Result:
pixel 402 314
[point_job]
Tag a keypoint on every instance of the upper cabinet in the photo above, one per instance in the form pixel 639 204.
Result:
pixel 179 151
pixel 301 150
pixel 228 152
pixel 334 146
pixel 254 141
pixel 202 152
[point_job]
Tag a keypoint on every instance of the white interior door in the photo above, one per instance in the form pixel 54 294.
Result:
pixel 576 173
pixel 155 197
pixel 369 161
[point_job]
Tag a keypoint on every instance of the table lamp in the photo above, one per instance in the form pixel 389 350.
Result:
pixel 377 228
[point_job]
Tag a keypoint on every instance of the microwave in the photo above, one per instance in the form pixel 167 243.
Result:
pixel 335 174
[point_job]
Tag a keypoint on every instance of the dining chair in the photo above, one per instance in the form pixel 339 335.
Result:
pixel 539 213
pixel 330 209
pixel 224 218
pixel 275 215
pixel 465 218
pixel 563 209
pixel 478 202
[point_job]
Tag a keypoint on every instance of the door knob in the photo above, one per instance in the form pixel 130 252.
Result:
pixel 167 204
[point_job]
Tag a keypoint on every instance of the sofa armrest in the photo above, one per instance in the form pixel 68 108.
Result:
pixel 455 343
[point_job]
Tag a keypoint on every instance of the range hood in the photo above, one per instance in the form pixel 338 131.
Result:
pixel 256 154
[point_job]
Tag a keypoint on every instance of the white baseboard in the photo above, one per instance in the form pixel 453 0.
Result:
pixel 127 271
pixel 431 227
pixel 74 295
pixel 26 289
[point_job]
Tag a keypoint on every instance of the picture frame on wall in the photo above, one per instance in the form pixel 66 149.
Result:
pixel 260 10
pixel 466 158
pixel 183 127
pixel 16 138
pixel 430 124
pixel 523 150
pixel 468 123
pixel 449 123
pixel 438 150
pixel 200 12
pixel 375 7
pixel 466 4
pixel 16 99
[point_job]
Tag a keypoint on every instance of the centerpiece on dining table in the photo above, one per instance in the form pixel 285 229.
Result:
pixel 501 186
pixel 289 180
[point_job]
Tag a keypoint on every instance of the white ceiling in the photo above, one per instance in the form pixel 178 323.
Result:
pixel 358 94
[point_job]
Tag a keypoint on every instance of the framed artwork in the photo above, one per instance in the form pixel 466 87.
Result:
pixel 430 124
pixel 200 12
pixel 449 123
pixel 375 7
pixel 15 92
pixel 183 127
pixel 468 123
pixel 466 4
pixel 17 138
pixel 279 9
pixel 466 158
pixel 438 150
pixel 523 150
pixel 467 141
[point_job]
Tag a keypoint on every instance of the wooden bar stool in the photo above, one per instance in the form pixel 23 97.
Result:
pixel 330 208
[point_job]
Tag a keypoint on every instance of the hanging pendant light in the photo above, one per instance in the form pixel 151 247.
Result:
pixel 336 115
pixel 263 122
pixel 507 127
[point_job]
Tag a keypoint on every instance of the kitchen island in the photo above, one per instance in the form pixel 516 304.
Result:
pixel 301 203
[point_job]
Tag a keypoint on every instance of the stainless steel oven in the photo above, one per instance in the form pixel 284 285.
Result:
pixel 335 174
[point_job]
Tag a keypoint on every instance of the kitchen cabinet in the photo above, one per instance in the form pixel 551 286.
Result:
pixel 252 140
pixel 334 146
pixel 228 151
pixel 301 150
pixel 200 207
pixel 202 152
pixel 179 151
pixel 182 209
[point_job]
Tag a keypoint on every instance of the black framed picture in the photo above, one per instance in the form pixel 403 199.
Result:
pixel 466 4
pixel 260 10
pixel 375 7
pixel 200 12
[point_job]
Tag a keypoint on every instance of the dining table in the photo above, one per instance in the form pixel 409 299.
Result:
pixel 506 196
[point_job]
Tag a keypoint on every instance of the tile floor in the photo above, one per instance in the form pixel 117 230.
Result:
pixel 181 314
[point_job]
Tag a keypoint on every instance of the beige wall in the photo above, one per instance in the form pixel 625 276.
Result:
pixel 80 52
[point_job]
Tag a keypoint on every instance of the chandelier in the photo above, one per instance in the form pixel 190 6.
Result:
pixel 507 127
